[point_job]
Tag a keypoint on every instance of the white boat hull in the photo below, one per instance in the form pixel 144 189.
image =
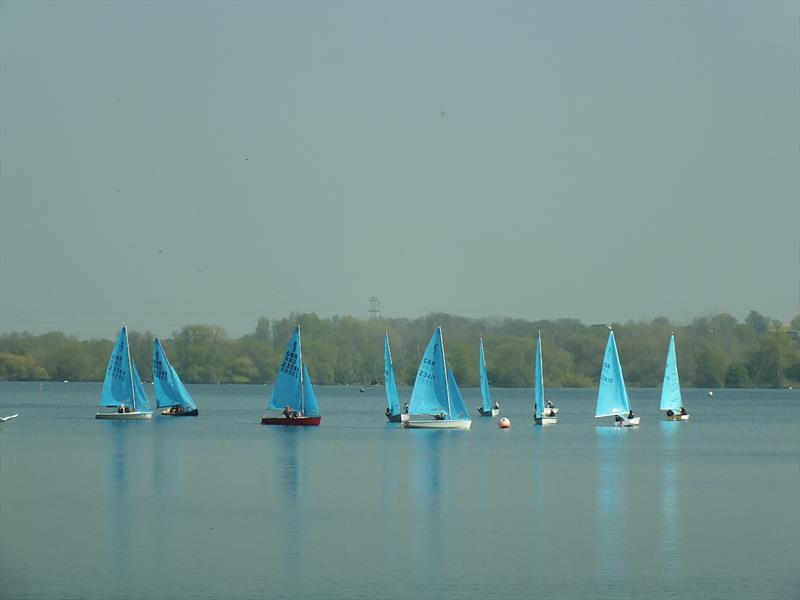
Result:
pixel 9 417
pixel 627 422
pixel 129 416
pixel 546 420
pixel 490 413
pixel 678 418
pixel 438 424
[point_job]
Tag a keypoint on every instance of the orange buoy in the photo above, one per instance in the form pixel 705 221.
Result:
pixel 504 423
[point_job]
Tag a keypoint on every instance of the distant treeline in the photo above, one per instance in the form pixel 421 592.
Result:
pixel 715 351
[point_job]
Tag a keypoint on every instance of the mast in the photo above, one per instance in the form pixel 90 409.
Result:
pixel 130 368
pixel 302 387
pixel 446 384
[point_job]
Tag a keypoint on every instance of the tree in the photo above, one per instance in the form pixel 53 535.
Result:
pixel 736 376
pixel 263 331
pixel 766 361
pixel 710 369
pixel 20 368
pixel 757 321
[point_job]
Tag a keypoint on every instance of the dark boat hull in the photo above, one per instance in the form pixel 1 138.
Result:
pixel 188 413
pixel 292 422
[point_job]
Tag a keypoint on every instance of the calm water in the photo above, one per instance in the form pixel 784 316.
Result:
pixel 223 507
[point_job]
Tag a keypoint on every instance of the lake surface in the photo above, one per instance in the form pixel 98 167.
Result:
pixel 220 506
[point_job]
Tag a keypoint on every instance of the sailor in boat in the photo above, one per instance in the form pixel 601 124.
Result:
pixel 405 408
pixel 618 419
pixel 630 415
pixel 288 412
pixel 439 417
pixel 496 405
pixel 670 413
pixel 684 411
pixel 388 412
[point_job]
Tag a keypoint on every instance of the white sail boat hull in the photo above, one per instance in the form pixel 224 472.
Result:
pixel 627 422
pixel 678 418
pixel 545 420
pixel 438 424
pixel 129 416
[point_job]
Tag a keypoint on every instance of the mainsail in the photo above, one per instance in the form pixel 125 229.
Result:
pixel 538 379
pixel 430 395
pixel 392 398
pixel 169 388
pixel 287 390
pixel 612 397
pixel 671 388
pixel 485 394
pixel 118 383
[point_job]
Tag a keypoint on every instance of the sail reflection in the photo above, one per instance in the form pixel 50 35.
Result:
pixel 289 470
pixel 427 478
pixel 117 486
pixel 611 486
pixel 289 478
pixel 670 520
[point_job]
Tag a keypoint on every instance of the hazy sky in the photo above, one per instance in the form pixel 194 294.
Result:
pixel 165 163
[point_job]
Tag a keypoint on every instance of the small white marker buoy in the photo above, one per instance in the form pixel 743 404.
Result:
pixel 504 423
pixel 710 393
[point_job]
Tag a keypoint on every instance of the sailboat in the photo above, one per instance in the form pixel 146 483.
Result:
pixel 170 393
pixel 541 415
pixel 436 401
pixel 671 401
pixel 612 397
pixel 122 387
pixel 293 392
pixel 488 409
pixel 392 399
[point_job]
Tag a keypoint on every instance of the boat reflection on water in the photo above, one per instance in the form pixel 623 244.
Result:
pixel 118 494
pixel 612 483
pixel 670 509
pixel 427 478
pixel 289 478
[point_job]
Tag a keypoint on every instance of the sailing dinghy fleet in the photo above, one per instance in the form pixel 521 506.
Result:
pixel 436 400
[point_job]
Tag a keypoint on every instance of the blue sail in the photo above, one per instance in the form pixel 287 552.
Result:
pixel 458 409
pixel 118 383
pixel 186 399
pixel 287 388
pixel 141 401
pixel 487 398
pixel 538 380
pixel 429 396
pixel 392 399
pixel 169 388
pixel 310 405
pixel 612 398
pixel 671 388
